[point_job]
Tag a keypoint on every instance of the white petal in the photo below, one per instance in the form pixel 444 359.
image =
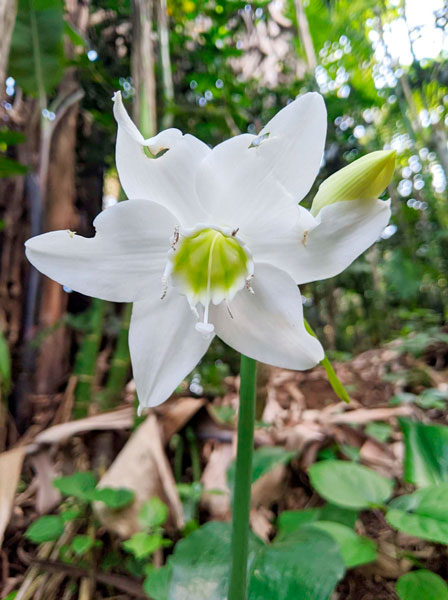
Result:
pixel 344 231
pixel 165 346
pixel 281 241
pixel 246 183
pixel 268 324
pixel 122 263
pixel 168 179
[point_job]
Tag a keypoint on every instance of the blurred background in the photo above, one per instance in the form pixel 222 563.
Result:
pixel 216 68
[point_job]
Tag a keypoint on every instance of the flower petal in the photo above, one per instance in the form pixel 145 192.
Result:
pixel 268 325
pixel 344 231
pixel 165 346
pixel 168 179
pixel 122 263
pixel 247 180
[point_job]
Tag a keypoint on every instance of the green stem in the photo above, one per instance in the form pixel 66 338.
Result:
pixel 333 379
pixel 243 478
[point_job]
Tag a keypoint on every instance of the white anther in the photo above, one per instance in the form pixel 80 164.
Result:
pixel 305 236
pixel 71 233
pixel 205 328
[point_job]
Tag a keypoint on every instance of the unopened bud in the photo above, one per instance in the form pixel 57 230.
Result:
pixel 364 179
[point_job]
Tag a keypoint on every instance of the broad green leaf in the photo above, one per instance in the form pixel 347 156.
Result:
pixel 265 459
pixel 113 497
pixel 349 485
pixel 36 58
pixel 153 513
pixel 422 585
pixel 79 485
pixel 46 529
pixel 306 565
pixel 142 544
pixel 70 514
pixel 82 544
pixel 10 167
pixel 426 453
pixel 292 520
pixel 423 514
pixel 355 549
pixel 199 566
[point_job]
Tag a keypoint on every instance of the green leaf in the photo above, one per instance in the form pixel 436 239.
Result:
pixel 333 379
pixel 78 485
pixel 82 544
pixel 153 513
pixel 74 35
pixel 355 549
pixel 142 544
pixel 422 585
pixel 349 485
pixel 199 566
pixel 36 58
pixel 379 430
pixel 426 453
pixel 292 520
pixel 10 167
pixel 423 514
pixel 46 529
pixel 5 364
pixel 306 565
pixel 265 459
pixel 113 497
pixel 11 138
pixel 70 514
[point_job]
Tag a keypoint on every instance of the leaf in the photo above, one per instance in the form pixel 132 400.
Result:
pixel 426 453
pixel 5 363
pixel 292 520
pixel 153 513
pixel 142 544
pixel 79 485
pixel 113 497
pixel 423 514
pixel 199 566
pixel 46 529
pixel 10 167
pixel 306 565
pixel 36 58
pixel 264 460
pixel 355 549
pixel 422 585
pixel 70 514
pixel 11 138
pixel 379 430
pixel 82 544
pixel 349 485
pixel 333 379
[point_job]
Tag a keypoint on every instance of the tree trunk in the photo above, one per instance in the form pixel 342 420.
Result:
pixel 305 36
pixel 8 11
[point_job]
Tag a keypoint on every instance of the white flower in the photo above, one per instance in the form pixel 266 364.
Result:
pixel 214 242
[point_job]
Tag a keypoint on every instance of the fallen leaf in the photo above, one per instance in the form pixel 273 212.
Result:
pixel 10 469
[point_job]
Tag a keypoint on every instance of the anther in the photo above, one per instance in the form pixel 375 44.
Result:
pixel 71 233
pixel 235 231
pixel 175 238
pixel 305 236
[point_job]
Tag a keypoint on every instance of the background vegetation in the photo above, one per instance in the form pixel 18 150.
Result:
pixel 216 68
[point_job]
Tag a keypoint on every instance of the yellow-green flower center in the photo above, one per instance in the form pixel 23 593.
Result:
pixel 210 266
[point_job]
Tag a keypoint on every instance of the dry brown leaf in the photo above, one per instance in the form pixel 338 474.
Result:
pixel 214 477
pixel 366 415
pixel 47 495
pixel 10 469
pixel 141 466
pixel 176 415
pixel 269 488
pixel 117 419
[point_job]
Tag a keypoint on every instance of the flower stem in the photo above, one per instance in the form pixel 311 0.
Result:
pixel 243 478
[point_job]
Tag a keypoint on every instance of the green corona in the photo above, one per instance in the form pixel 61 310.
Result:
pixel 209 265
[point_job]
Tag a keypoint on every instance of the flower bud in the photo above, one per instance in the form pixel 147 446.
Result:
pixel 364 179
